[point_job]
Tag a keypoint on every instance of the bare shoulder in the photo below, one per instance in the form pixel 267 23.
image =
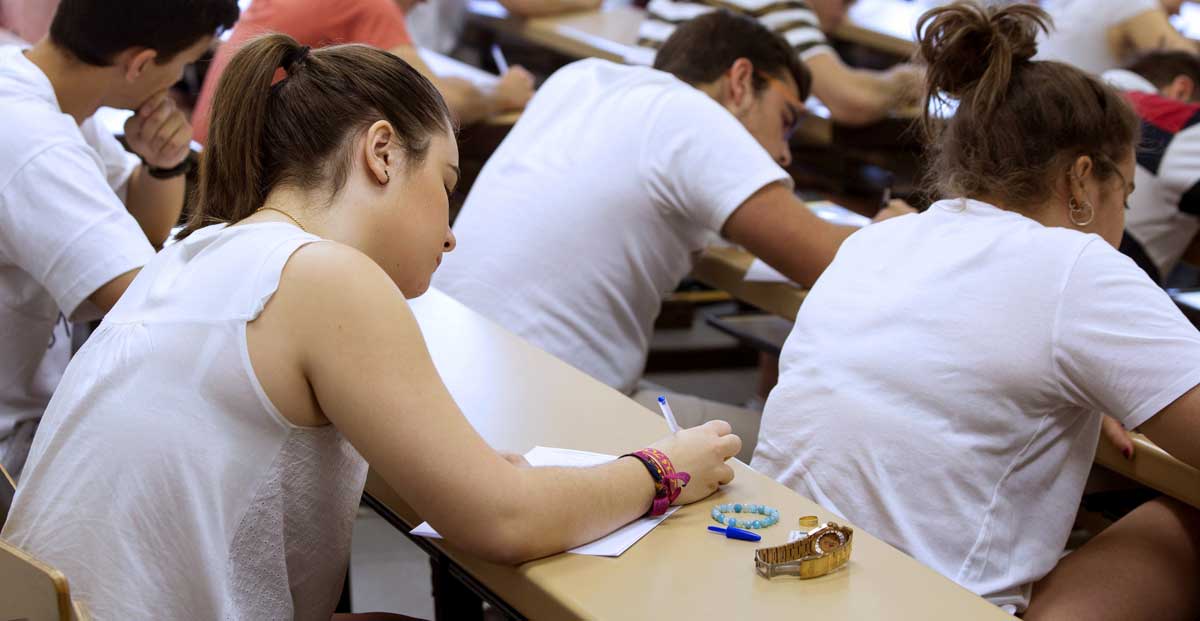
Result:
pixel 327 286
pixel 328 272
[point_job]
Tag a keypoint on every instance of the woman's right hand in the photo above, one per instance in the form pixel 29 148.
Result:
pixel 701 452
pixel 514 89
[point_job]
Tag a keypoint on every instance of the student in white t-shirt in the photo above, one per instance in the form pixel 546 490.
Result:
pixel 1099 35
pixel 205 456
pixel 944 384
pixel 597 202
pixel 76 209
pixel 855 96
pixel 1164 211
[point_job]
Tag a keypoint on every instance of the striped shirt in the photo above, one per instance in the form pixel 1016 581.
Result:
pixel 791 19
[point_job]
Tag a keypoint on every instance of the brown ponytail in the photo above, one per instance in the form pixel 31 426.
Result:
pixel 1019 122
pixel 295 131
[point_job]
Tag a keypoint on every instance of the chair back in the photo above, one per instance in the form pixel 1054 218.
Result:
pixel 32 590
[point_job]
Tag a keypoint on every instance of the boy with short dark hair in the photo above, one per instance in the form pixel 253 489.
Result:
pixel 615 177
pixel 79 215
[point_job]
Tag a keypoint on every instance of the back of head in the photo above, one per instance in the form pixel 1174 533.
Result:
pixel 701 50
pixel 95 31
pixel 1019 122
pixel 1161 67
pixel 297 131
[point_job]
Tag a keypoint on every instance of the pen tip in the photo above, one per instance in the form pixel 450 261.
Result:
pixel 662 399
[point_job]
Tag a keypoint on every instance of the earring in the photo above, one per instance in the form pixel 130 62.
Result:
pixel 387 176
pixel 1076 211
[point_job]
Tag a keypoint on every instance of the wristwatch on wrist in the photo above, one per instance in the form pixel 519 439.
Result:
pixel 817 553
pixel 182 168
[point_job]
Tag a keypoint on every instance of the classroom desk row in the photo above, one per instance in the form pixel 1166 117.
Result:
pixel 611 33
pixel 518 396
pixel 725 268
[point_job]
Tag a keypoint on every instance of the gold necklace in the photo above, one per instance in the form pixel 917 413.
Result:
pixel 290 217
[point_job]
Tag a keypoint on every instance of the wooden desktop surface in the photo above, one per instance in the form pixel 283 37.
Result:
pixel 885 25
pixel 518 396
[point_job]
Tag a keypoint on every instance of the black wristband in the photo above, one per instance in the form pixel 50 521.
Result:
pixel 183 168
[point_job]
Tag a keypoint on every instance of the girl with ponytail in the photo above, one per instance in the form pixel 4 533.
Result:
pixel 206 454
pixel 1019 326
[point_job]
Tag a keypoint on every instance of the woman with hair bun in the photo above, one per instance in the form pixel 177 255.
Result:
pixel 946 381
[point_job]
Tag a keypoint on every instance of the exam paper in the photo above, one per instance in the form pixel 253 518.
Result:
pixel 615 543
pixel 761 272
pixel 832 212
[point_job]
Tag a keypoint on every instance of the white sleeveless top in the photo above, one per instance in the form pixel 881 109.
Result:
pixel 163 482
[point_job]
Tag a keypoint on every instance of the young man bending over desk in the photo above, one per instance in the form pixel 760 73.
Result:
pixel 615 177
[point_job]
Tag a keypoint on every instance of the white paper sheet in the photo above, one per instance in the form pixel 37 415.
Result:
pixel 761 272
pixel 615 543
pixel 832 212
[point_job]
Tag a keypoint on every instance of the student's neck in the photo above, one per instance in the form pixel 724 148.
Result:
pixel 78 87
pixel 1043 213
pixel 311 209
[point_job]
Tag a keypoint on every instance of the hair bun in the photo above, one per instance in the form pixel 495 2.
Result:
pixel 969 47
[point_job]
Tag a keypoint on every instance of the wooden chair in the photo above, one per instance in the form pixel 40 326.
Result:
pixel 34 591
pixel 30 589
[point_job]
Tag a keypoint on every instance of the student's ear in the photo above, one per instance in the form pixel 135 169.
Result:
pixel 380 156
pixel 136 62
pixel 741 86
pixel 1182 88
pixel 1081 170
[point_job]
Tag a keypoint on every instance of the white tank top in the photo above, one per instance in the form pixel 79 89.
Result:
pixel 162 481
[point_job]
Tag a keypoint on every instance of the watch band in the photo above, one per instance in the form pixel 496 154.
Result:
pixel 182 168
pixel 820 552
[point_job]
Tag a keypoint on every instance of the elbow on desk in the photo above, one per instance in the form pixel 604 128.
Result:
pixel 501 541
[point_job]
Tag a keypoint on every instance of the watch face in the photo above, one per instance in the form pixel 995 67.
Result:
pixel 829 541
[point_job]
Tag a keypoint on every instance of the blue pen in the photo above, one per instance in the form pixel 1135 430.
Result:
pixel 736 533
pixel 499 59
pixel 668 414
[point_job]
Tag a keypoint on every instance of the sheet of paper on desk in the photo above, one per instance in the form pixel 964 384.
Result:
pixel 832 212
pixel 761 272
pixel 615 543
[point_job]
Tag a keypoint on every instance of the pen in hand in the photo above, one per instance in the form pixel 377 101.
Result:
pixel 668 414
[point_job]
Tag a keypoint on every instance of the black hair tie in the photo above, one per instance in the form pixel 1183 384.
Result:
pixel 294 57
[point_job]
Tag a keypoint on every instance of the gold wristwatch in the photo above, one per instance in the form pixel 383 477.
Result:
pixel 823 550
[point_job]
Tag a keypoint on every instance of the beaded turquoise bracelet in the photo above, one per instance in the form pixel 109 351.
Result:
pixel 770 516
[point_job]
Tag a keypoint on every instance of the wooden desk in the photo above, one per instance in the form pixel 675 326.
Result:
pixel 1153 467
pixel 611 34
pixel 724 268
pixel 517 396
pixel 885 25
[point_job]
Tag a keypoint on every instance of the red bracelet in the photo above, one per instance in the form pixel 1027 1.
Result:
pixel 668 484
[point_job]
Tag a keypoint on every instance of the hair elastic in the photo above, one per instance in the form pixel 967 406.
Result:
pixel 292 58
